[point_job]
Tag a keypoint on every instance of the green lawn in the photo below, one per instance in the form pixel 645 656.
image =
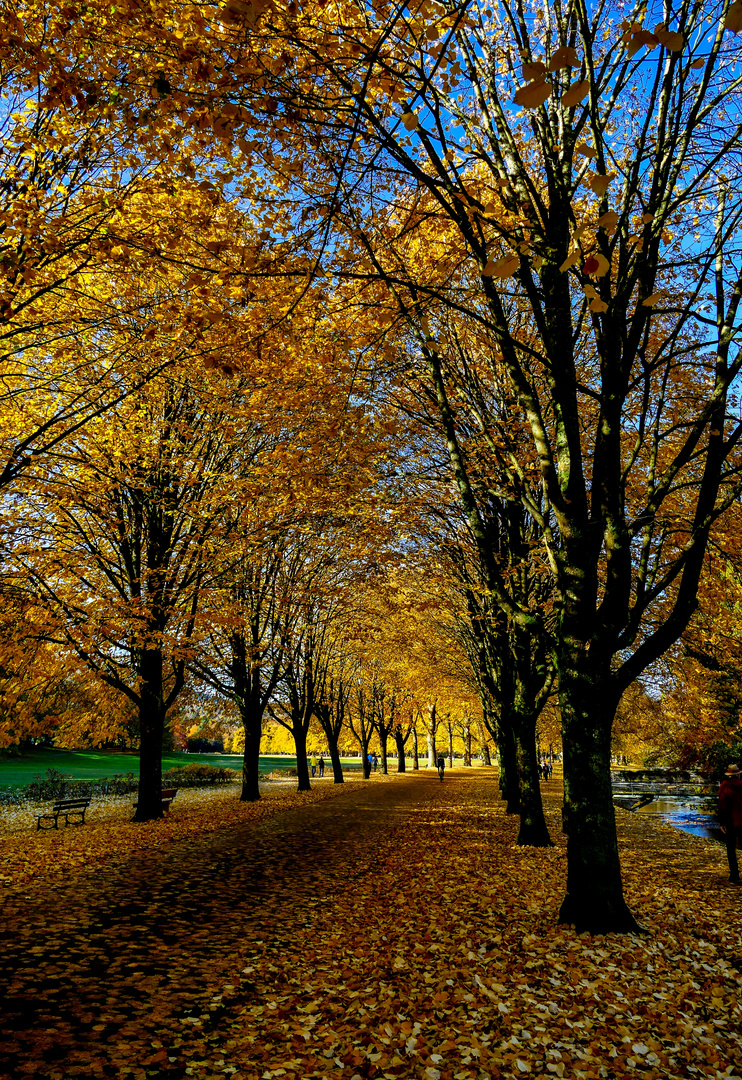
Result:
pixel 94 764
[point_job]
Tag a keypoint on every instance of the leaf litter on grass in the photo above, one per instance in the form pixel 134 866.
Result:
pixel 400 932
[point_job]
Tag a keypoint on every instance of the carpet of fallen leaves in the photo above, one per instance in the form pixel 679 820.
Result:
pixel 382 929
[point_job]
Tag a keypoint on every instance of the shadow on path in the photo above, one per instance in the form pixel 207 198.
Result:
pixel 104 972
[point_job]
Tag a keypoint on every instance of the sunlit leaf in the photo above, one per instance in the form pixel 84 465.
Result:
pixel 571 260
pixel 409 119
pixel 596 266
pixel 609 220
pixel 671 39
pixel 502 268
pixel 638 39
pixel 564 56
pixel 653 299
pixel 600 182
pixel 534 94
pixel 575 93
pixel 585 150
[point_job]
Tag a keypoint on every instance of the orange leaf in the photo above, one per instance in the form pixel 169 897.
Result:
pixel 671 39
pixel 733 18
pixel 585 150
pixel 600 182
pixel 575 93
pixel 596 266
pixel 534 70
pixel 653 299
pixel 571 260
pixel 640 38
pixel 609 220
pixel 534 94
pixel 698 63
pixel 409 120
pixel 564 56
pixel 502 268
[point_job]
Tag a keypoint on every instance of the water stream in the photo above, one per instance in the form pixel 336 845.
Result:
pixel 692 813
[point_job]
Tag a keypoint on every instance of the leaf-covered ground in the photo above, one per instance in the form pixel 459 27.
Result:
pixel 385 929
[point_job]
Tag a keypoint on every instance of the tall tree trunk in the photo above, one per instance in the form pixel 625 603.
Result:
pixel 467 745
pixel 431 729
pixel 151 729
pixel 302 766
pixel 450 746
pixel 251 758
pixel 415 750
pixel 337 768
pixel 507 760
pixel 399 739
pixel 383 736
pixel 484 742
pixel 594 900
pixel 533 829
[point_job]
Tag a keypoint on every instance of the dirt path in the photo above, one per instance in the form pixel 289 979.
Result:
pixel 100 966
pixel 392 931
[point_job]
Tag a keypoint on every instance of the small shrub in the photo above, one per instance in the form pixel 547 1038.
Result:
pixel 197 775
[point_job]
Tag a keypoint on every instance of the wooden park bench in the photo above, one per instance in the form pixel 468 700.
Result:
pixel 66 808
pixel 168 794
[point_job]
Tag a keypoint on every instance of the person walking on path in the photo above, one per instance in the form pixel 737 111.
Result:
pixel 321 766
pixel 441 763
pixel 730 817
pixel 313 763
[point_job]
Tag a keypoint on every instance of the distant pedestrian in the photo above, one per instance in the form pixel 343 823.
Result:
pixel 313 763
pixel 321 765
pixel 441 765
pixel 730 817
pixel 374 761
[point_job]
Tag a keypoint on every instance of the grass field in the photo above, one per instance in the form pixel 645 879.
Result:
pixel 95 764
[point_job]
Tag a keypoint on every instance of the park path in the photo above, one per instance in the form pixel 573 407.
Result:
pixel 392 930
pixel 105 966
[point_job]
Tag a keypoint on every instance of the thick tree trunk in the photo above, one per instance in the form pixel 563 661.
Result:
pixel 415 751
pixel 467 746
pixel 382 743
pixel 507 760
pixel 151 728
pixel 251 758
pixel 302 766
pixel 366 763
pixel 594 900
pixel 533 829
pixel 399 739
pixel 337 768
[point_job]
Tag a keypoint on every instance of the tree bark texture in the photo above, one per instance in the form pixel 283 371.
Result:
pixel 151 730
pixel 594 901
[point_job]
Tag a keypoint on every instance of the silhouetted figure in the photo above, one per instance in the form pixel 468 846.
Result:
pixel 730 817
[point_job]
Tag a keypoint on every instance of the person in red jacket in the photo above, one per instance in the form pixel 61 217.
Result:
pixel 730 817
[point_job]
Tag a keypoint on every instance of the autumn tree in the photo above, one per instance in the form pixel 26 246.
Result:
pixel 573 154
